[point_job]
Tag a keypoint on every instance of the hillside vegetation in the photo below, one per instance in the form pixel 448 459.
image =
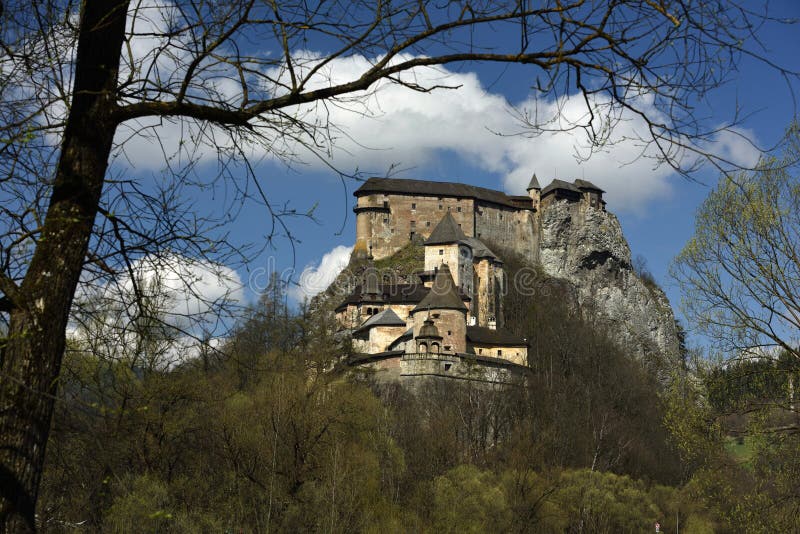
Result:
pixel 262 436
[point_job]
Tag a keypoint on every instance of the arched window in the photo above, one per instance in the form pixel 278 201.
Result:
pixel 423 347
pixel 435 348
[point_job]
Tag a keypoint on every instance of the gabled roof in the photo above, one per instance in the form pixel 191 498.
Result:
pixel 560 184
pixel 443 294
pixel 534 183
pixel 408 334
pixel 391 294
pixel 586 184
pixel 479 249
pixel 385 318
pixel 446 232
pixel 487 336
pixel 434 189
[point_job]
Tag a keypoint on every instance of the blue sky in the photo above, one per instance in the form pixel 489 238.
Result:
pixel 452 136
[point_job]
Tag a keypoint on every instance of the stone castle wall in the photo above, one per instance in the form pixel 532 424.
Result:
pixel 508 228
pixel 385 223
pixel 452 327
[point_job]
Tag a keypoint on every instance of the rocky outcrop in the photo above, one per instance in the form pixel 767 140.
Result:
pixel 586 247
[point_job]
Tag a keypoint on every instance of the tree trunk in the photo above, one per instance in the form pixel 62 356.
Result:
pixel 31 357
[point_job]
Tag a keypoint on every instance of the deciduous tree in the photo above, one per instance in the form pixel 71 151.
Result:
pixel 740 273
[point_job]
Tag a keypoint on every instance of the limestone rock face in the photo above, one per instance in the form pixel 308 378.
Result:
pixel 586 247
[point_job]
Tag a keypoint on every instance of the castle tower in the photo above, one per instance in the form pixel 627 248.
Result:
pixel 428 339
pixel 447 246
pixel 371 298
pixel 535 191
pixel 445 309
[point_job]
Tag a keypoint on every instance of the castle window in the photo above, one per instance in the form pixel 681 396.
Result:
pixel 447 366
pixel 458 209
pixel 411 236
pixel 501 216
pixel 449 332
pixel 413 224
pixel 447 347
pixel 385 204
pixel 459 225
pixel 441 252
pixel 440 206
pixel 413 205
pixel 427 223
pixel 480 351
pixel 499 352
pixel 386 219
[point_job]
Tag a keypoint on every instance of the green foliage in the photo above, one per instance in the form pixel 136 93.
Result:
pixel 409 259
pixel 740 272
pixel 267 438
pixel 467 499
pixel 143 505
pixel 604 502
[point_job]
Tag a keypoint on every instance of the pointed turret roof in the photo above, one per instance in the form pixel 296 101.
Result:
pixel 534 183
pixel 446 232
pixel 443 294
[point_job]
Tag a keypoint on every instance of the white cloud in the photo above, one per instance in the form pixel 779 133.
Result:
pixel 392 124
pixel 185 287
pixel 316 278
pixel 184 304
pixel 736 145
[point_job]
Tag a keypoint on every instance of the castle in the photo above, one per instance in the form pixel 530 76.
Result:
pixel 448 321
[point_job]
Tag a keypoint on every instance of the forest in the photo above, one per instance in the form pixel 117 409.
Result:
pixel 270 434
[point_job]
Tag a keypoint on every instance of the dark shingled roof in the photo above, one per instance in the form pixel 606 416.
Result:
pixel 486 336
pixel 560 184
pixel 433 189
pixel 534 183
pixel 586 184
pixel 390 294
pixel 408 334
pixel 446 232
pixel 479 249
pixel 443 294
pixel 385 318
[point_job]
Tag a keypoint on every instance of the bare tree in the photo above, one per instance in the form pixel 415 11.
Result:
pixel 77 79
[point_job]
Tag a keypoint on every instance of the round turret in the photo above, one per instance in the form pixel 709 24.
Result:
pixel 429 330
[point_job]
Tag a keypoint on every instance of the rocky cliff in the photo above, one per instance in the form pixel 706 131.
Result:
pixel 587 248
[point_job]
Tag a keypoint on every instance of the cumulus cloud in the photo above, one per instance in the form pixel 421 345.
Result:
pixel 165 313
pixel 392 124
pixel 316 278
